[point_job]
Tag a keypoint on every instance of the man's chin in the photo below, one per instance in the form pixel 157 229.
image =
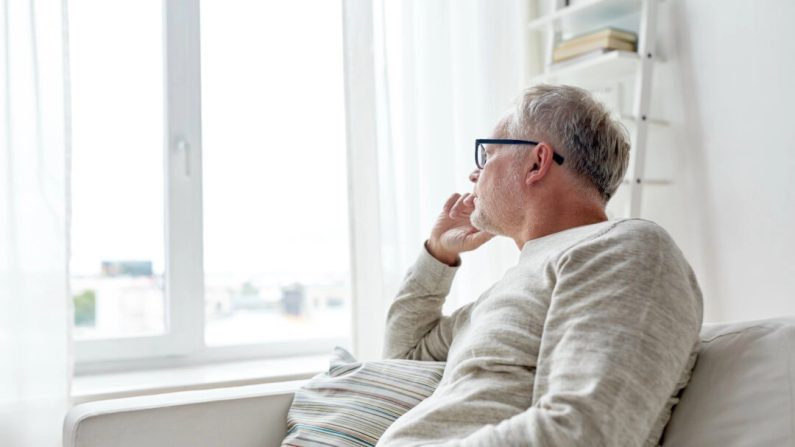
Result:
pixel 483 223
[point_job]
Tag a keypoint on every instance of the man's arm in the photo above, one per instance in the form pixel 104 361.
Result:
pixel 415 326
pixel 623 320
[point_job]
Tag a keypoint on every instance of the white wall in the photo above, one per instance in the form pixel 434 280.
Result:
pixel 728 89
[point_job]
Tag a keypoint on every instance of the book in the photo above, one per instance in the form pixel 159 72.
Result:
pixel 603 43
pixel 581 57
pixel 627 36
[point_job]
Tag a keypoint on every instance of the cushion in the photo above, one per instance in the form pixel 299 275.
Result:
pixel 742 391
pixel 354 402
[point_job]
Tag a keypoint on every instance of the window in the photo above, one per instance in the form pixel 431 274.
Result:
pixel 216 226
pixel 117 266
pixel 273 139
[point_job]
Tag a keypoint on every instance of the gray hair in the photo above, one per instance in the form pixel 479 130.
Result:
pixel 595 145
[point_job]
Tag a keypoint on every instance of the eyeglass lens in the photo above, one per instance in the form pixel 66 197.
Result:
pixel 481 155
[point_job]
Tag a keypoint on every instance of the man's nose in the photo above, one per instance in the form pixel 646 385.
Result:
pixel 474 176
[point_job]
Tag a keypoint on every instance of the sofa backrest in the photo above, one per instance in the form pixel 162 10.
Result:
pixel 742 391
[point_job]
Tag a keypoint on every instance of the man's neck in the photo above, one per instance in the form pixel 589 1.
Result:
pixel 559 218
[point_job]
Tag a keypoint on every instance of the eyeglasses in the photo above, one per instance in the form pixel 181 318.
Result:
pixel 481 156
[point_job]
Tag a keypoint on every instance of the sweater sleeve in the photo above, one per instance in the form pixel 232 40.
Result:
pixel 415 326
pixel 624 317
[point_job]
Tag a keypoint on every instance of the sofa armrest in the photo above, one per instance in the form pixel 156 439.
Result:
pixel 253 415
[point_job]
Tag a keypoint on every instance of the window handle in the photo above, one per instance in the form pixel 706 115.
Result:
pixel 184 147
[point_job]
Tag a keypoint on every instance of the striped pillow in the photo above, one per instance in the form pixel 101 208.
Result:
pixel 354 402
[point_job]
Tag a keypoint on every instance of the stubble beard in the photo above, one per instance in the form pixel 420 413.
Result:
pixel 493 221
pixel 483 222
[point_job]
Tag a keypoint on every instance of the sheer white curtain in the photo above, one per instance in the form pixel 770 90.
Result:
pixel 446 71
pixel 34 302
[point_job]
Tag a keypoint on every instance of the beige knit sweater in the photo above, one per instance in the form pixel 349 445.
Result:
pixel 585 342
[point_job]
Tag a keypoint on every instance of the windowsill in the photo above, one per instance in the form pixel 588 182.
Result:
pixel 86 388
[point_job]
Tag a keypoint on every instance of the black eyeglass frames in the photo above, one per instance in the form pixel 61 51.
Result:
pixel 480 149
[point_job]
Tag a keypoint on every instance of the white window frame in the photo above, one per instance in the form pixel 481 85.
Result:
pixel 182 344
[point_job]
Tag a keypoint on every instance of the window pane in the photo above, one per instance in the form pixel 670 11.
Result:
pixel 274 172
pixel 117 167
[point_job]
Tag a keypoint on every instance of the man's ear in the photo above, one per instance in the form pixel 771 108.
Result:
pixel 539 164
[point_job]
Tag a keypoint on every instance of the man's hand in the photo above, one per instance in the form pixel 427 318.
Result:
pixel 453 233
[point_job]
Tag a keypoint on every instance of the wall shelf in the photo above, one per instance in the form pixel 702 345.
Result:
pixel 607 65
pixel 584 15
pixel 631 119
pixel 649 181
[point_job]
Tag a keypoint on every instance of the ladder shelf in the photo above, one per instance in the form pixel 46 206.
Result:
pixel 585 16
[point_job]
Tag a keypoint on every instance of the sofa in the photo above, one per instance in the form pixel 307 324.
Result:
pixel 742 393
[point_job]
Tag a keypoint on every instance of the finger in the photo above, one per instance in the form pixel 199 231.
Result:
pixel 456 205
pixel 466 206
pixel 469 203
pixel 450 202
pixel 481 237
pixel 455 211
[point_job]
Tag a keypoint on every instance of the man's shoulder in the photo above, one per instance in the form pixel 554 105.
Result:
pixel 636 228
pixel 618 230
pixel 626 235
pixel 644 232
pixel 619 237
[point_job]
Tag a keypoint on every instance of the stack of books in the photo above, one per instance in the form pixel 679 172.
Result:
pixel 601 41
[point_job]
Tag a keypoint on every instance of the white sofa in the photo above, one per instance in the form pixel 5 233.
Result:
pixel 742 393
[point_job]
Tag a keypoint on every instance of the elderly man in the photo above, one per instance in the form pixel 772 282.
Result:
pixel 589 338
